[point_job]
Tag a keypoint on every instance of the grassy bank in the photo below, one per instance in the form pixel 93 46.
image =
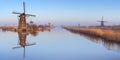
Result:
pixel 105 33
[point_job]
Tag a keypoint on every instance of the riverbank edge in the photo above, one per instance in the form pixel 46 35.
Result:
pixel 91 33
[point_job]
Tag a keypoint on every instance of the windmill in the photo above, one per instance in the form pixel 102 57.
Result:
pixel 22 19
pixel 22 42
pixel 102 22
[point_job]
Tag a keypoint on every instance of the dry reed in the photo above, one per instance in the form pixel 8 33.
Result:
pixel 107 34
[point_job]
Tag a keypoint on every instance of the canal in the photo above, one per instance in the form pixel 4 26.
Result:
pixel 56 44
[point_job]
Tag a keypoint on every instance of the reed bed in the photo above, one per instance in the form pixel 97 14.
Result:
pixel 107 34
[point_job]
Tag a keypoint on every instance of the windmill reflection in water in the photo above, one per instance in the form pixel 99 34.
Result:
pixel 22 42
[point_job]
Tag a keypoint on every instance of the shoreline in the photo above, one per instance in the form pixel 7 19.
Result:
pixel 104 33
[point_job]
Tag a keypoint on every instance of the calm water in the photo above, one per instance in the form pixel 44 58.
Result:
pixel 57 44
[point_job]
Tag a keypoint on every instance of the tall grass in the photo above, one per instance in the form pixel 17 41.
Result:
pixel 105 33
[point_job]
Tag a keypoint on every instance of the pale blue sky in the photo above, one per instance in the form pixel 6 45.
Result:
pixel 85 12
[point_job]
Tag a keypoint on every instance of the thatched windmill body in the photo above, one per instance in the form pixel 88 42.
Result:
pixel 22 19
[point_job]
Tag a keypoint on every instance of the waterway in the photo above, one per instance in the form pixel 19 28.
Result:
pixel 57 44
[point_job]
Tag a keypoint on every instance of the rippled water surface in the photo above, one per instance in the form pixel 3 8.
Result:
pixel 57 44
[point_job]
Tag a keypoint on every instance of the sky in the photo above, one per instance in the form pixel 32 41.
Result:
pixel 62 12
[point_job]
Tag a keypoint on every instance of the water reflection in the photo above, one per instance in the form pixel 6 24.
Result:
pixel 22 41
pixel 110 45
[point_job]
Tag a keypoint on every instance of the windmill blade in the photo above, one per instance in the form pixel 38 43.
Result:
pixel 16 13
pixel 30 15
pixel 24 53
pixel 16 47
pixel 31 44
pixel 24 6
